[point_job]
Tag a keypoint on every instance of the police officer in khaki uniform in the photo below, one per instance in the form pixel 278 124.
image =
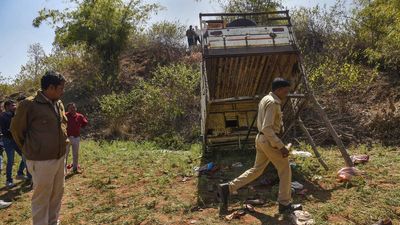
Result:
pixel 270 148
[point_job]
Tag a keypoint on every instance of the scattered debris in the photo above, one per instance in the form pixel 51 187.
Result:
pixel 300 217
pixel 359 159
pixel 268 181
pixel 195 209
pixel 209 168
pixel 4 204
pixel 184 179
pixel 316 177
pixel 384 222
pixel 237 165
pixel 346 174
pixel 297 186
pixel 206 167
pixel 235 215
pixel 193 221
pixel 255 202
pixel 249 207
pixel 303 154
pixel 302 192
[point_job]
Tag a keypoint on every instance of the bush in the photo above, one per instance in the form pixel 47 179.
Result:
pixel 163 107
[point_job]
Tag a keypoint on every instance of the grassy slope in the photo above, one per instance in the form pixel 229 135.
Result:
pixel 128 183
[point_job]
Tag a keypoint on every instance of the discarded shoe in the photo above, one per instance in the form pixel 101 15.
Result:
pixel 302 218
pixel 249 207
pixel 255 202
pixel 235 215
pixel 289 208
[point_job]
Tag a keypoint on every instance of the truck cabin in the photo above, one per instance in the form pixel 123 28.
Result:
pixel 242 54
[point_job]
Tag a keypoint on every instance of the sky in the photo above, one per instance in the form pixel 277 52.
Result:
pixel 17 32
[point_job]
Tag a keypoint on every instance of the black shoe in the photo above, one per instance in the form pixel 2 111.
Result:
pixel 289 208
pixel 223 196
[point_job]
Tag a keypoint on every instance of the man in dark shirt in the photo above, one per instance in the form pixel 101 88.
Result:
pixel 191 36
pixel 9 144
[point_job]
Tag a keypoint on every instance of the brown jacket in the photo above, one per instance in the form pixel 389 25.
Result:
pixel 39 130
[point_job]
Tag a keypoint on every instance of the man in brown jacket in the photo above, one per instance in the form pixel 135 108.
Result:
pixel 39 129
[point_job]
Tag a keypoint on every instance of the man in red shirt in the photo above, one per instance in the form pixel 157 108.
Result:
pixel 76 121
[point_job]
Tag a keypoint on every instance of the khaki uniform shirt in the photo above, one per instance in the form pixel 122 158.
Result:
pixel 269 120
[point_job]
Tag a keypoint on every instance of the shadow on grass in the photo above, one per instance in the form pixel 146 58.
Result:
pixel 14 193
pixel 207 185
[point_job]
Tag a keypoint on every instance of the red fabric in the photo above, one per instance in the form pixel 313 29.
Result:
pixel 75 123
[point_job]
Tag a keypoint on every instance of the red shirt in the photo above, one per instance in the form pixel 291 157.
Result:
pixel 75 122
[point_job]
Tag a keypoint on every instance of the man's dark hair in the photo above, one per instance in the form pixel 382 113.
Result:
pixel 8 103
pixel 279 83
pixel 71 103
pixel 51 78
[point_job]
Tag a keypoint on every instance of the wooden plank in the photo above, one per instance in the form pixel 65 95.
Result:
pixel 218 78
pixel 259 74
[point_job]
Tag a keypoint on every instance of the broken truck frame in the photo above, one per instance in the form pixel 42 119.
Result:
pixel 242 54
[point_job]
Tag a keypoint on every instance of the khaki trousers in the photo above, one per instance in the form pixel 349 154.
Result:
pixel 48 189
pixel 74 143
pixel 265 154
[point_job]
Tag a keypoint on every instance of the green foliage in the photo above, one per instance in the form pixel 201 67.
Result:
pixel 164 105
pixel 378 28
pixel 326 40
pixel 334 76
pixel 5 87
pixel 103 26
pixel 29 76
pixel 167 33
pixel 235 6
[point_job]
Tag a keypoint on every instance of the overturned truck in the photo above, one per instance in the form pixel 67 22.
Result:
pixel 242 54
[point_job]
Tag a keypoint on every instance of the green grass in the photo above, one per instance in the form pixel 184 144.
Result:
pixel 132 183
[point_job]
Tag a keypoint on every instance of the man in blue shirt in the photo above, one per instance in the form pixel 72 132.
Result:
pixel 10 146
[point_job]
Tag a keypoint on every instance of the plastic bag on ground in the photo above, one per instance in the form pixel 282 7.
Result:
pixel 358 159
pixel 346 174
pixel 300 217
pixel 301 154
pixel 4 204
pixel 297 186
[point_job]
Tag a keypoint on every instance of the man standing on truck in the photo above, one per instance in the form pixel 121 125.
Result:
pixel 270 148
pixel 191 36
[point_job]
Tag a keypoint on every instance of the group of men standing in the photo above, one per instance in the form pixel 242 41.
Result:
pixel 193 36
pixel 42 132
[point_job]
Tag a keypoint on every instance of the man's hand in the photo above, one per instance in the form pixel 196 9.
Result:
pixel 285 152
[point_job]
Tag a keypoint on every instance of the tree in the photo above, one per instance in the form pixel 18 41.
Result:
pixel 29 76
pixel 102 26
pixel 235 6
pixel 378 27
